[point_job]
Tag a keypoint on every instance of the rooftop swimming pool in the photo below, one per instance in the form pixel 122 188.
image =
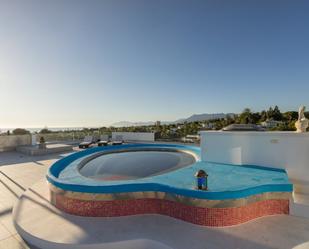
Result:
pixel 159 178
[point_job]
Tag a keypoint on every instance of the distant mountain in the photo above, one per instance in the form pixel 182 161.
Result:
pixel 205 116
pixel 193 118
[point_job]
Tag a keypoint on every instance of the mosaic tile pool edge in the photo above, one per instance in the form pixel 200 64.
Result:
pixel 206 216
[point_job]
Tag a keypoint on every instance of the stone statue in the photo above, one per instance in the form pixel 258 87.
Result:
pixel 302 123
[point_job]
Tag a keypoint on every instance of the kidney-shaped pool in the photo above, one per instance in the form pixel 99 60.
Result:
pixel 136 179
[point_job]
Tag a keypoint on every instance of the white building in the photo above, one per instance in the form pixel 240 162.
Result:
pixel 271 123
pixel 208 125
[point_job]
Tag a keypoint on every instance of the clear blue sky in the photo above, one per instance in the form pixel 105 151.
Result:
pixel 92 63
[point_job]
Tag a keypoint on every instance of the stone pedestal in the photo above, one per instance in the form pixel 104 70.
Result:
pixel 302 125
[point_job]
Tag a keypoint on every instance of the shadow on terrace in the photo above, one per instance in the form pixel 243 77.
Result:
pixel 13 157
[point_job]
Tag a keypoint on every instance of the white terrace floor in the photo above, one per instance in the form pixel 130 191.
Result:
pixel 273 232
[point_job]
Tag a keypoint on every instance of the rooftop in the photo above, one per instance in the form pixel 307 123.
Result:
pixel 19 172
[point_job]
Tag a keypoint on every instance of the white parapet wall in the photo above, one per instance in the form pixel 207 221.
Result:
pixel 287 150
pixel 135 136
pixel 10 142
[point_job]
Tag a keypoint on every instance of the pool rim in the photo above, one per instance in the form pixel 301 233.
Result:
pixel 127 186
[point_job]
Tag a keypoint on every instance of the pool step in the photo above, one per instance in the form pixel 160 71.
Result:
pixel 300 205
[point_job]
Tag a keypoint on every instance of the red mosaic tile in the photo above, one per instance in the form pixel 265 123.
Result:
pixel 197 215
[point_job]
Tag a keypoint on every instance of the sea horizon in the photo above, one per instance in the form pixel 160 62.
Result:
pixel 37 129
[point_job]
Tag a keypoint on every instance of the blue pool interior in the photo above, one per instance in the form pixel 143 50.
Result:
pixel 225 181
pixel 135 164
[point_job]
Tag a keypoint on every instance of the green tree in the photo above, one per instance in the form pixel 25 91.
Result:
pixel 269 113
pixel 277 115
pixel 263 116
pixel 274 114
pixel 245 117
pixel 255 118
pixel 45 131
pixel 290 116
pixel 20 131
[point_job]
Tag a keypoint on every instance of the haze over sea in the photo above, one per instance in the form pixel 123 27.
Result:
pixel 32 130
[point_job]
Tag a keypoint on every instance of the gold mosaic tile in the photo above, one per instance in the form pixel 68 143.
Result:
pixel 171 197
